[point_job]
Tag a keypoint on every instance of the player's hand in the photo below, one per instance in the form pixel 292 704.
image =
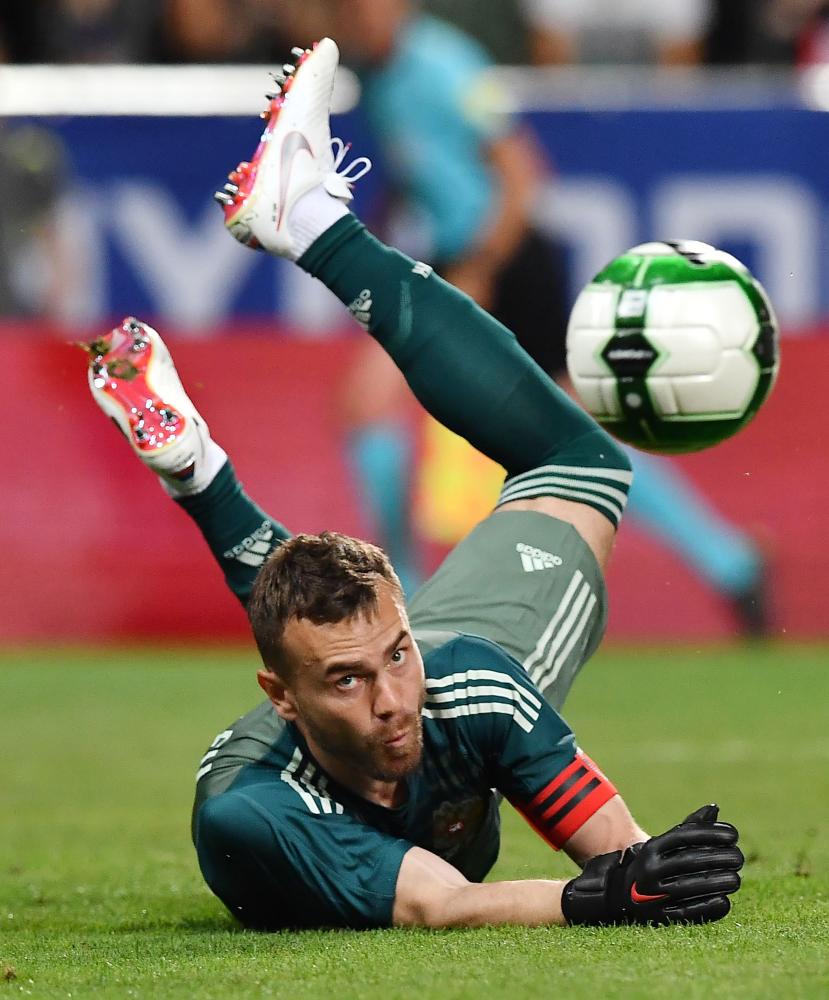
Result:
pixel 683 876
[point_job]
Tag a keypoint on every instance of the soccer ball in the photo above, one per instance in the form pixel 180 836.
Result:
pixel 673 346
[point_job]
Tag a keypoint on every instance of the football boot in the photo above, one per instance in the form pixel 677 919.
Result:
pixel 295 154
pixel 134 381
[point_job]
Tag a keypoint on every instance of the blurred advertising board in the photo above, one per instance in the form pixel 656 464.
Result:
pixel 742 168
pixel 93 550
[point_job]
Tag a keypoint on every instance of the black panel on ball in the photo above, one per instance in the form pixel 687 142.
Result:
pixel 629 354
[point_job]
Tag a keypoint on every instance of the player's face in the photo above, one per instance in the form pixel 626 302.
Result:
pixel 358 689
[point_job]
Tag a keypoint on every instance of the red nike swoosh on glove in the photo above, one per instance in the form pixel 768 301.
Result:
pixel 641 897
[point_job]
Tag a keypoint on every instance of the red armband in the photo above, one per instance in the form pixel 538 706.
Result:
pixel 568 801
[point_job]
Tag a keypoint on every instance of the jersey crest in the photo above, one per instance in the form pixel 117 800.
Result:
pixel 455 822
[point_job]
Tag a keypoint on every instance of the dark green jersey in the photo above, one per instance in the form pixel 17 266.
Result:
pixel 283 845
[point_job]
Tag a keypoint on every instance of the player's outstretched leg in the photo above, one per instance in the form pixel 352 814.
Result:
pixel 465 367
pixel 134 381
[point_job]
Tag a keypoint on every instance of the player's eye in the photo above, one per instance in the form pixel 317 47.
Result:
pixel 347 682
pixel 399 656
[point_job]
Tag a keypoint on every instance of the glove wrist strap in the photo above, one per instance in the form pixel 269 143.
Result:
pixel 586 899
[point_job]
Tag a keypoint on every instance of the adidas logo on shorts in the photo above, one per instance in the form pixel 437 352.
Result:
pixel 533 558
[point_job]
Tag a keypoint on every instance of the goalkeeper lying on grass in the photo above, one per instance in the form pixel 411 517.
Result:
pixel 364 792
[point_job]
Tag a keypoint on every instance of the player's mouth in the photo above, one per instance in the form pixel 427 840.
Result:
pixel 399 739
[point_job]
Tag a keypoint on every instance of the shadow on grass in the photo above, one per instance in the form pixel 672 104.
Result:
pixel 226 926
pixel 218 924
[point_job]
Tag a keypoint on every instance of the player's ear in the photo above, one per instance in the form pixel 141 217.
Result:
pixel 275 688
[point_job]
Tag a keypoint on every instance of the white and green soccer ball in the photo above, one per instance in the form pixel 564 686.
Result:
pixel 673 346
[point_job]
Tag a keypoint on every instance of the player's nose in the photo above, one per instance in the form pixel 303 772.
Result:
pixel 387 698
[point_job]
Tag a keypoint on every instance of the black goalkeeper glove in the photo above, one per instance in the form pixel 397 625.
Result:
pixel 683 876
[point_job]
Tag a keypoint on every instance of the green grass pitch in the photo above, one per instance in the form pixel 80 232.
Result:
pixel 100 894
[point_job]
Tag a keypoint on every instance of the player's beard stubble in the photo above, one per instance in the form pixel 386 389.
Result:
pixel 371 755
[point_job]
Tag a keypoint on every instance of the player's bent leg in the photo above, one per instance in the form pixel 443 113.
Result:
pixel 240 534
pixel 465 368
pixel 134 381
pixel 471 374
pixel 529 583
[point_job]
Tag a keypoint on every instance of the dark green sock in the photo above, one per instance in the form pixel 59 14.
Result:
pixel 467 369
pixel 240 535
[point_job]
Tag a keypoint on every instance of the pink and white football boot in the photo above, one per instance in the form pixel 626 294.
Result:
pixel 295 155
pixel 134 381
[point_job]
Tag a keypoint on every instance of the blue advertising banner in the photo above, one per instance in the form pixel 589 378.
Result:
pixel 146 236
pixel 754 182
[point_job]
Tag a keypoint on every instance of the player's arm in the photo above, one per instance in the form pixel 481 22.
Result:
pixel 512 159
pixel 685 875
pixel 275 865
pixel 516 169
pixel 281 853
pixel 610 828
pixel 432 893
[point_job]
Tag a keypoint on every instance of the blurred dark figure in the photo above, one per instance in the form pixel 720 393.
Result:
pixel 18 32
pixel 95 31
pixel 501 26
pixel 148 31
pixel 224 31
pixel 771 32
pixel 33 174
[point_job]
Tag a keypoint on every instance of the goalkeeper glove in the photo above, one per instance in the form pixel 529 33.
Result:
pixel 683 876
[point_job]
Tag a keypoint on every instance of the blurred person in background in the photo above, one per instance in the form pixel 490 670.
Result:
pixel 667 33
pixel 34 260
pixel 463 175
pixel 496 256
pixel 663 502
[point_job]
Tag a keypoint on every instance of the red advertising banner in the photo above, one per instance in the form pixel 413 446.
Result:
pixel 93 550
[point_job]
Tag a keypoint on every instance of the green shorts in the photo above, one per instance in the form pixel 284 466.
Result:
pixel 528 582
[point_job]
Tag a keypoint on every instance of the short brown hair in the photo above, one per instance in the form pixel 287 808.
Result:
pixel 325 578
